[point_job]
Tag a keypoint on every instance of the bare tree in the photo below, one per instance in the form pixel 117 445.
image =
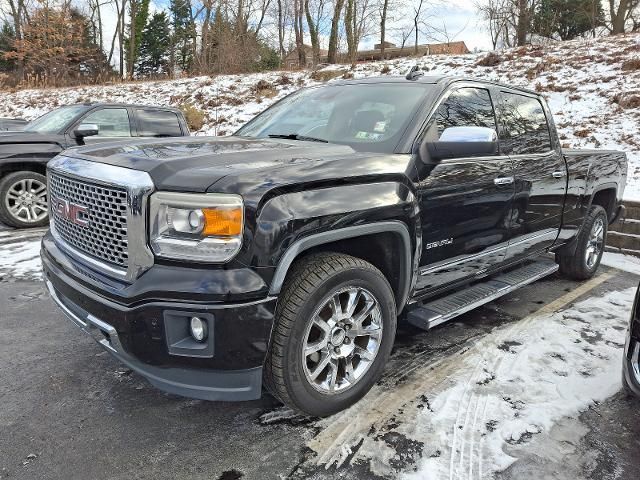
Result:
pixel 620 13
pixel 335 26
pixel 298 14
pixel 357 21
pixel 314 20
pixel 509 21
pixel 19 13
pixel 384 10
pixel 417 21
pixel 95 17
pixel 494 13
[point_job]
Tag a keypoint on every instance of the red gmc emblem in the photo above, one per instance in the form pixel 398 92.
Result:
pixel 70 211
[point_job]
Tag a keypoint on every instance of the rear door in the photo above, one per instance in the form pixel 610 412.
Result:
pixel 540 174
pixel 157 123
pixel 464 202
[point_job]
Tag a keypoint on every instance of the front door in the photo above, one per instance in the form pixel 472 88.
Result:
pixel 464 202
pixel 540 174
pixel 113 124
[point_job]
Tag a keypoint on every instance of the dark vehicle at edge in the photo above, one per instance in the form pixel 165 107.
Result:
pixel 12 124
pixel 285 254
pixel 631 359
pixel 24 154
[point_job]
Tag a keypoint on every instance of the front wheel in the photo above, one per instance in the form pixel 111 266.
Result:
pixel 584 261
pixel 335 327
pixel 23 200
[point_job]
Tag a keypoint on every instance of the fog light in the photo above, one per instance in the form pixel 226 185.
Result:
pixel 198 329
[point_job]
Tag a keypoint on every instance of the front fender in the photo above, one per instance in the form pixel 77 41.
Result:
pixel 289 224
pixel 19 156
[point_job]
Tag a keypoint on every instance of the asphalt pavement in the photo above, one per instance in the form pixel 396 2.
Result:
pixel 70 411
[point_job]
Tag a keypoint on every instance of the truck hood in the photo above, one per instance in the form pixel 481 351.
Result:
pixel 194 164
pixel 9 137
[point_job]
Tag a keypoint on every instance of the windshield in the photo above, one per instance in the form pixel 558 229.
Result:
pixel 56 120
pixel 367 117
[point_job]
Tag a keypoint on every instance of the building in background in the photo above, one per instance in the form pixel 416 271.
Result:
pixel 391 51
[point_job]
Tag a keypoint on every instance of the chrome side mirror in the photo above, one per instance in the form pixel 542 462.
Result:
pixel 86 130
pixel 468 134
pixel 463 142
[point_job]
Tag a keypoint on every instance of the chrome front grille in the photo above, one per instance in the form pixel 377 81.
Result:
pixel 103 227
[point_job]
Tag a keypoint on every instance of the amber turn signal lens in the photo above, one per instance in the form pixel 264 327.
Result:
pixel 225 222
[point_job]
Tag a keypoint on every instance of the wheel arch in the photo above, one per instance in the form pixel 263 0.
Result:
pixel 23 165
pixel 606 196
pixel 343 241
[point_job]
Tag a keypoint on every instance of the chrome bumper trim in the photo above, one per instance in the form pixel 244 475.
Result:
pixel 90 324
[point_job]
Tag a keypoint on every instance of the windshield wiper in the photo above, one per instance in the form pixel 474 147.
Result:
pixel 297 136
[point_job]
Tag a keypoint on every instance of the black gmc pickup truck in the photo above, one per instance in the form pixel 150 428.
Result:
pixel 25 153
pixel 285 254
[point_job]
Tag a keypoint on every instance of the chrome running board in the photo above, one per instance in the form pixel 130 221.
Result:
pixel 445 308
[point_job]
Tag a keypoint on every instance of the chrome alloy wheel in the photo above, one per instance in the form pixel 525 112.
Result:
pixel 342 340
pixel 26 200
pixel 595 243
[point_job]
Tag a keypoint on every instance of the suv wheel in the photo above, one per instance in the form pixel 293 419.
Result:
pixel 334 330
pixel 24 200
pixel 589 249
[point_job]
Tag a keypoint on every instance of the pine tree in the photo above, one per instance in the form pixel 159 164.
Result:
pixel 183 33
pixel 7 39
pixel 153 57
pixel 567 19
pixel 139 11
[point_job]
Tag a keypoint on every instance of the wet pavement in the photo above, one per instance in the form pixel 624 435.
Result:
pixel 70 411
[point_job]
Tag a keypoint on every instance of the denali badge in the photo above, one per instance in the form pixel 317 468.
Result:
pixel 439 243
pixel 71 212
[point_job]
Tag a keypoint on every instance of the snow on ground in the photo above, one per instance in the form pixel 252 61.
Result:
pixel 459 415
pixel 20 255
pixel 621 261
pixel 593 88
pixel 519 382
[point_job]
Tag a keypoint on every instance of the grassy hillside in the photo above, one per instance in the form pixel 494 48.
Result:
pixel 593 88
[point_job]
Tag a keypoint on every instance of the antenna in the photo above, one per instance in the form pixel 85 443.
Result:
pixel 414 73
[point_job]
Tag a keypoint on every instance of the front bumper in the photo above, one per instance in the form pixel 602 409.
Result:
pixel 137 335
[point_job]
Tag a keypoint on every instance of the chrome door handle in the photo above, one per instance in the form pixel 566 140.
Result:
pixel 503 180
pixel 558 174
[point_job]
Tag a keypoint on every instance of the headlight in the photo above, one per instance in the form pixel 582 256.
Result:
pixel 192 226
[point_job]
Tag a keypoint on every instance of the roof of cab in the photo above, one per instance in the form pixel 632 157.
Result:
pixel 128 105
pixel 443 80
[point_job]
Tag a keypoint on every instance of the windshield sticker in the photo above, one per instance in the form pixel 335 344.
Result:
pixel 368 136
pixel 380 127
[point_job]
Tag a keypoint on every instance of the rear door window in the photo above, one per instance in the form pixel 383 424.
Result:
pixel 526 130
pixel 158 123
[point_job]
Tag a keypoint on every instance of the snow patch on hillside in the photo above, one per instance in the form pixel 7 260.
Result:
pixel 592 87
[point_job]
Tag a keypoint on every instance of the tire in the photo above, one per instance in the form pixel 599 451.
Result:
pixel 585 260
pixel 626 388
pixel 304 317
pixel 23 200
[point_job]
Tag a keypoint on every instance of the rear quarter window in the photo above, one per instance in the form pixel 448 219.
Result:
pixel 526 130
pixel 158 123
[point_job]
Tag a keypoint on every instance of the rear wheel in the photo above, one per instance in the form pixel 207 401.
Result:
pixel 335 326
pixel 585 260
pixel 24 200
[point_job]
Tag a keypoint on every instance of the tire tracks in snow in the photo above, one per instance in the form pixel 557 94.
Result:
pixel 473 435
pixel 341 434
